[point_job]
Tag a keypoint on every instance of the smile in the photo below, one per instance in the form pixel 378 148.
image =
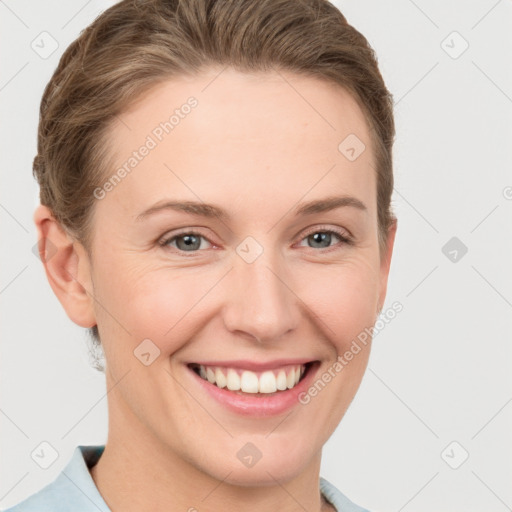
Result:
pixel 251 388
pixel 247 381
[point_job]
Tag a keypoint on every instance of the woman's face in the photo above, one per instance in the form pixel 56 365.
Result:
pixel 264 291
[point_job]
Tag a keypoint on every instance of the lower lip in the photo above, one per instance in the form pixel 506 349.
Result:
pixel 251 405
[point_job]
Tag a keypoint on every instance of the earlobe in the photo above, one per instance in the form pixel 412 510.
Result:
pixel 67 267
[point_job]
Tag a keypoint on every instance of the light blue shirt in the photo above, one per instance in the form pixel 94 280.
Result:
pixel 74 489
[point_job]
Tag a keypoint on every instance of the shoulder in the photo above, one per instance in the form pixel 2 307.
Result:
pixel 52 498
pixel 340 502
pixel 73 489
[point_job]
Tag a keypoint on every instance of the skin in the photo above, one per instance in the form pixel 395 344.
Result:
pixel 258 149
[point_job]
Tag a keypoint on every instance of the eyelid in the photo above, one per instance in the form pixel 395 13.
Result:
pixel 345 239
pixel 165 239
pixel 343 234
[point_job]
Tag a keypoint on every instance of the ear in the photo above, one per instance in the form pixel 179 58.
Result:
pixel 67 268
pixel 385 263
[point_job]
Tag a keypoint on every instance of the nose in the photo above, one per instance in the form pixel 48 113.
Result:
pixel 261 304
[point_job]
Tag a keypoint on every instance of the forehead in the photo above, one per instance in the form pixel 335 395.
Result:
pixel 225 133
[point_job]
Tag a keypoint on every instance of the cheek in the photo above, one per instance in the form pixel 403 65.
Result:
pixel 344 298
pixel 156 303
pixel 167 305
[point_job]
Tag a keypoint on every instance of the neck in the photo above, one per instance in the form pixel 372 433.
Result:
pixel 137 472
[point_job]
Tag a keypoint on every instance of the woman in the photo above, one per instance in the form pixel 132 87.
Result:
pixel 216 180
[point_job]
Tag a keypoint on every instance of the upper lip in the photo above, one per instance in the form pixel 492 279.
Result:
pixel 245 364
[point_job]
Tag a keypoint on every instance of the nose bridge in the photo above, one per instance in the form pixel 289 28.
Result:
pixel 261 305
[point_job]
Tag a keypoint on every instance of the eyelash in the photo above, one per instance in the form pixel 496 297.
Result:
pixel 344 240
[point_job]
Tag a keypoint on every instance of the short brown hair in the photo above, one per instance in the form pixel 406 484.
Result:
pixel 137 43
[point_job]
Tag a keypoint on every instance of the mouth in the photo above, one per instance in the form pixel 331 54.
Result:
pixel 265 383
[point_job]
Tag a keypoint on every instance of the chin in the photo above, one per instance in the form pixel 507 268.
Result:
pixel 260 462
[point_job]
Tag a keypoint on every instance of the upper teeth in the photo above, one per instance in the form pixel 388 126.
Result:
pixel 251 382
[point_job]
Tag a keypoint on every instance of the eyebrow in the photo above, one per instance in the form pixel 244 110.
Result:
pixel 209 210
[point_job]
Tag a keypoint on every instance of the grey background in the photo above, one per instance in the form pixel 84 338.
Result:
pixel 438 373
